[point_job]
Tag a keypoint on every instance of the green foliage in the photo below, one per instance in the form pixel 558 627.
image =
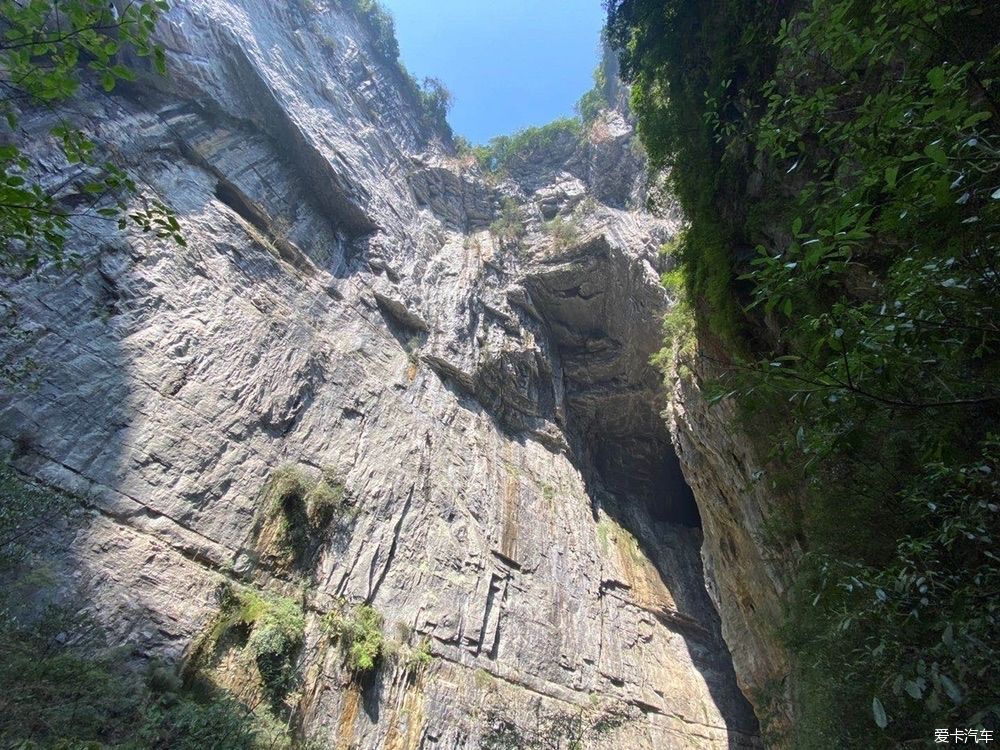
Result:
pixel 860 306
pixel 325 500
pixel 483 680
pixel 186 724
pixel 914 630
pixel 597 98
pixel 52 693
pixel 593 101
pixel 503 150
pixel 73 696
pixel 416 659
pixel 274 643
pixel 47 61
pixel 677 56
pixel 435 101
pixel 508 226
pixel 274 628
pixel 430 95
pixel 563 232
pixel 382 27
pixel 678 322
pixel 358 631
pixel 299 508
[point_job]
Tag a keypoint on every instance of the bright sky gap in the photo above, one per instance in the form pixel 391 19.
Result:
pixel 509 64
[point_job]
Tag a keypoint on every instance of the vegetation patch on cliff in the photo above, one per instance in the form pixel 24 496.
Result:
pixel 432 98
pixel 358 632
pixel 250 648
pixel 502 151
pixel 297 510
pixel 63 685
pixel 58 694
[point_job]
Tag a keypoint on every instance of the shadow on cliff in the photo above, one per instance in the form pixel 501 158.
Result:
pixel 666 532
pixel 653 504
pixel 602 317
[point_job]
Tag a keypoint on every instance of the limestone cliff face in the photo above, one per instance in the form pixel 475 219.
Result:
pixel 746 570
pixel 342 306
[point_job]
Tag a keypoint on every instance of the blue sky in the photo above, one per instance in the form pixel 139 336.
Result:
pixel 508 63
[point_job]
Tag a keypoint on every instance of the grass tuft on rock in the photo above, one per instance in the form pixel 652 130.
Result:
pixel 297 510
pixel 358 631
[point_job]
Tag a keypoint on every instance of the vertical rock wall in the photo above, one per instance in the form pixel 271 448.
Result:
pixel 745 568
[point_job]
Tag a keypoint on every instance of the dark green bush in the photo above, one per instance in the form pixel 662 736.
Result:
pixel 60 695
pixel 838 163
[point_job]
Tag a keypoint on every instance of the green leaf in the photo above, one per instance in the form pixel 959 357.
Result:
pixel 948 637
pixel 936 77
pixel 878 710
pixel 975 118
pixel 890 176
pixel 159 61
pixel 951 689
pixel 935 152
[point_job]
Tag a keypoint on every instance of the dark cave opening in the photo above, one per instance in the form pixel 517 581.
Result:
pixel 674 500
pixel 605 325
pixel 646 467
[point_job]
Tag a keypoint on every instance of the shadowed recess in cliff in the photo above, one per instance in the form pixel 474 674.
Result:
pixel 605 327
pixel 603 318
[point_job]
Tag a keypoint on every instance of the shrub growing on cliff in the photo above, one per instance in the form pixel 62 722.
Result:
pixel 431 98
pixel 435 100
pixel 381 25
pixel 297 510
pixel 508 227
pixel 358 631
pixel 562 231
pixel 416 659
pixel 267 631
pixel 593 101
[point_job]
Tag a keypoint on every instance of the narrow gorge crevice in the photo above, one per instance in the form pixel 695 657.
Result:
pixel 604 322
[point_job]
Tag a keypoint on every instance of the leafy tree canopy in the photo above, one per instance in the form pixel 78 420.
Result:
pixel 839 164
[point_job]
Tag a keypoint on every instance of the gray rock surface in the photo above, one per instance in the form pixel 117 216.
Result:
pixel 342 305
pixel 746 570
